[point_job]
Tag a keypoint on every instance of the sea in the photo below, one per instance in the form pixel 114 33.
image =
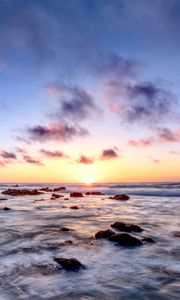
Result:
pixel 31 236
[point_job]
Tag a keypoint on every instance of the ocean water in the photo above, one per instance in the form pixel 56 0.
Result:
pixel 30 236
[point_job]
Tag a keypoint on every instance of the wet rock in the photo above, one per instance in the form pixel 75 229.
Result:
pixel 94 193
pixel 176 234
pixel 14 192
pixel 65 229
pixel 69 264
pixel 46 189
pixel 6 208
pixel 56 196
pixel 104 234
pixel 58 189
pixel 148 239
pixel 3 199
pixel 15 186
pixel 122 226
pixel 122 197
pixel 76 194
pixel 66 198
pixel 125 239
pixel 74 207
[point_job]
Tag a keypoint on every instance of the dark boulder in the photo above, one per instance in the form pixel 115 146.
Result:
pixel 104 234
pixel 126 227
pixel 58 189
pixel 69 264
pixel 74 207
pixel 148 239
pixel 14 192
pixel 122 197
pixel 6 208
pixel 56 196
pixel 76 194
pixel 94 193
pixel 125 239
pixel 66 198
pixel 65 229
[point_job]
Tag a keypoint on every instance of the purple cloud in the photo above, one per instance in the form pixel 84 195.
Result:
pixel 7 155
pixel 31 160
pixel 53 154
pixel 56 131
pixel 108 154
pixel 74 102
pixel 142 143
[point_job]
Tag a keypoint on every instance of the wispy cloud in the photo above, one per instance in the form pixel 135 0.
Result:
pixel 53 154
pixel 61 132
pixel 34 161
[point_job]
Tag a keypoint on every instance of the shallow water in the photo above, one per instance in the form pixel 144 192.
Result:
pixel 30 236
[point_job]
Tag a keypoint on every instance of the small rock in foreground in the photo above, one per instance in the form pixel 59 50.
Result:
pixel 6 208
pixel 69 264
pixel 122 197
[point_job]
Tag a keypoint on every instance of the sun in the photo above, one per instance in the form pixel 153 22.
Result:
pixel 88 181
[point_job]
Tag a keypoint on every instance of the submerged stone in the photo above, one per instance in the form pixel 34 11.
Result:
pixel 69 264
pixel 148 239
pixel 6 208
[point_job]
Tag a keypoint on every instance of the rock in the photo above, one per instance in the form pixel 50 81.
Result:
pixel 69 264
pixel 104 234
pixel 15 186
pixel 76 194
pixel 66 198
pixel 74 207
pixel 6 208
pixel 148 239
pixel 122 197
pixel 94 193
pixel 126 227
pixel 58 189
pixel 65 229
pixel 125 239
pixel 56 196
pixel 14 192
pixel 176 234
pixel 46 189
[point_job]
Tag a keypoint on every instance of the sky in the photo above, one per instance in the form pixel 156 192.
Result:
pixel 89 90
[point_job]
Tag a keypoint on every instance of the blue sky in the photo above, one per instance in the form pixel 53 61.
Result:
pixel 84 76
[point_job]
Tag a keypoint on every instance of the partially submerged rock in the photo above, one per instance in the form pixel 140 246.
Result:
pixel 104 234
pixel 74 207
pixel 125 239
pixel 46 189
pixel 66 198
pixel 56 196
pixel 121 197
pixel 94 193
pixel 6 208
pixel 148 239
pixel 76 194
pixel 14 192
pixel 58 189
pixel 69 264
pixel 65 229
pixel 122 226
